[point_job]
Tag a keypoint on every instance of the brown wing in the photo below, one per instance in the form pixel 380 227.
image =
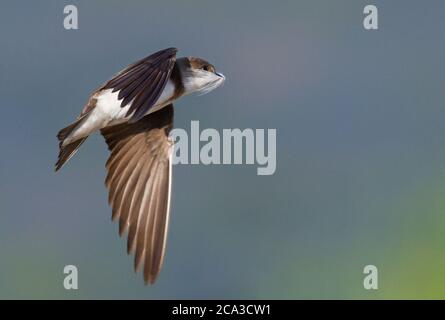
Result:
pixel 139 180
pixel 143 82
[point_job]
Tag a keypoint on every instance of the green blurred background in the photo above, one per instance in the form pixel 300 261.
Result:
pixel 360 150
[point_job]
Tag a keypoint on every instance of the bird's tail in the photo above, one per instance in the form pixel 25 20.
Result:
pixel 68 150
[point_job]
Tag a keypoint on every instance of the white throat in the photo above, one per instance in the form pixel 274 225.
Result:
pixel 201 81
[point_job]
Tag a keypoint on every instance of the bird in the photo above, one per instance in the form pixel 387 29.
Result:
pixel 133 111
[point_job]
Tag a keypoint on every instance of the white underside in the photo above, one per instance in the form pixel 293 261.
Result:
pixel 108 111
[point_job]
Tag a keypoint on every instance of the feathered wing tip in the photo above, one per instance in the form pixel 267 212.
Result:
pixel 68 151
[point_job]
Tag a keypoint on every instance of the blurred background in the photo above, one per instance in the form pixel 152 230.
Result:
pixel 360 150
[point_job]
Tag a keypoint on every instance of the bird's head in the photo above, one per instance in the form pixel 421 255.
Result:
pixel 199 75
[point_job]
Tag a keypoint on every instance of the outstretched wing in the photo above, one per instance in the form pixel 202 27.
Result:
pixel 142 83
pixel 139 180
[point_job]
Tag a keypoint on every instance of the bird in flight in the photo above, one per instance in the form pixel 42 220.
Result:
pixel 134 113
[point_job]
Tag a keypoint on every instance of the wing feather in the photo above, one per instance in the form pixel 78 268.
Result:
pixel 139 183
pixel 142 83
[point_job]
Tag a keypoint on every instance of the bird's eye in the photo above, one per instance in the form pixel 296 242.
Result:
pixel 205 68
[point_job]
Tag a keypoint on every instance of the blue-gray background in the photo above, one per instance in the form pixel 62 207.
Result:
pixel 360 149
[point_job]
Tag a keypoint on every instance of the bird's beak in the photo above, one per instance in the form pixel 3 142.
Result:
pixel 220 75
